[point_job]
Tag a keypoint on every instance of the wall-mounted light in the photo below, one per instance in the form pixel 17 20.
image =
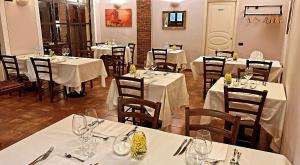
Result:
pixel 175 3
pixel 22 2
pixel 118 3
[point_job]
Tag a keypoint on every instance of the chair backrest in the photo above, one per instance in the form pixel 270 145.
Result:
pixel 245 102
pixel 257 55
pixel 214 66
pixel 259 75
pixel 130 87
pixel 132 49
pixel 224 53
pixel 140 113
pixel 166 67
pixel 100 43
pixel 42 67
pixel 260 66
pixel 87 53
pixel 10 65
pixel 233 121
pixel 160 55
pixel 118 52
pixel 178 47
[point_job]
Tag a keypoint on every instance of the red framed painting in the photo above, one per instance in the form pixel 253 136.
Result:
pixel 118 17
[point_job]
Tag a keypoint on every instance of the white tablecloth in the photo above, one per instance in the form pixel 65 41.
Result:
pixel 232 66
pixel 174 56
pixel 273 115
pixel 168 89
pixel 161 146
pixel 107 50
pixel 69 71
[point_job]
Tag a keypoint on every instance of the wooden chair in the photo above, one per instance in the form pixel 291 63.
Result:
pixel 130 87
pixel 166 67
pixel 13 80
pixel 132 49
pixel 232 121
pixel 213 69
pixel 43 69
pixel 178 47
pixel 100 43
pixel 141 117
pixel 258 75
pixel 87 54
pixel 160 55
pixel 253 106
pixel 263 66
pixel 230 53
pixel 118 59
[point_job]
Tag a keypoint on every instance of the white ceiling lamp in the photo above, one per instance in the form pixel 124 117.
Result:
pixel 22 2
pixel 175 3
pixel 118 3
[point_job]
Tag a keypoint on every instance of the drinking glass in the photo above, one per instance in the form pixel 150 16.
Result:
pixel 248 74
pixel 67 51
pixel 153 66
pixel 79 128
pixel 146 66
pixel 92 118
pixel 122 145
pixel 191 156
pixel 203 143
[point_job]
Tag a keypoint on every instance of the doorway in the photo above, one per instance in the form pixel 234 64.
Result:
pixel 220 26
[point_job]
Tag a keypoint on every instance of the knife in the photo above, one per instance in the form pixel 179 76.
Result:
pixel 42 157
pixel 185 147
pixel 178 150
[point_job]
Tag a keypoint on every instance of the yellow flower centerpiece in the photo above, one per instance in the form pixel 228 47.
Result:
pixel 138 146
pixel 228 78
pixel 174 47
pixel 132 69
pixel 235 56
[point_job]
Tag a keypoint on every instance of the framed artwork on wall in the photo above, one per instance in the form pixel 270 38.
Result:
pixel 289 21
pixel 118 17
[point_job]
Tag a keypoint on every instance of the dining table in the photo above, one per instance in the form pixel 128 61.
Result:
pixel 104 49
pixel 67 71
pixel 160 148
pixel 167 88
pixel 231 66
pixel 273 114
pixel 173 56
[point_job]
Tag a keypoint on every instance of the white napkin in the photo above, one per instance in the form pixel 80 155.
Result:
pixel 57 160
pixel 219 152
pixel 108 128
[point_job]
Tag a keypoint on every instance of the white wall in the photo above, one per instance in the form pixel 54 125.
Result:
pixel 23 27
pixel 291 139
pixel 191 37
pixel 268 38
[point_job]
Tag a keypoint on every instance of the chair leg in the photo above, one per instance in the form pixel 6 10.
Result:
pixel 91 82
pixel 65 92
pixel 39 90
pixel 51 88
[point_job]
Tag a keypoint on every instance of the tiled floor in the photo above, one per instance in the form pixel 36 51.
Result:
pixel 22 116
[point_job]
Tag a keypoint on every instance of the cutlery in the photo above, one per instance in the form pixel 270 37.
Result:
pixel 95 122
pixel 70 156
pixel 185 147
pixel 178 150
pixel 104 138
pixel 130 133
pixel 238 158
pixel 42 157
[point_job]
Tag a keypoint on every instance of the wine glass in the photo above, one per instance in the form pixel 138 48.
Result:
pixel 146 66
pixel 153 66
pixel 248 73
pixel 121 145
pixel 203 143
pixel 67 51
pixel 92 118
pixel 191 156
pixel 79 128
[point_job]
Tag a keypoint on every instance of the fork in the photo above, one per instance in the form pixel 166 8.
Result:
pixel 42 157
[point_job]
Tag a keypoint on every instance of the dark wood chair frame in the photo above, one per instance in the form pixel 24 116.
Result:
pixel 178 47
pixel 43 66
pixel 263 66
pixel 242 138
pixel 141 114
pixel 166 67
pixel 118 60
pixel 225 52
pixel 231 121
pixel 121 86
pixel 11 85
pixel 258 75
pixel 213 69
pixel 87 54
pixel 160 55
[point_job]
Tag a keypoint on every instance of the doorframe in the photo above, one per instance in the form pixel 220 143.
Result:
pixel 205 22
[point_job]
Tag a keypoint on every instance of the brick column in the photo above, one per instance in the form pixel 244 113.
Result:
pixel 143 29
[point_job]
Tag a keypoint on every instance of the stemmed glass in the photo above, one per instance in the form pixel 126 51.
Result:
pixel 79 128
pixel 67 51
pixel 146 66
pixel 92 122
pixel 248 74
pixel 153 66
pixel 203 143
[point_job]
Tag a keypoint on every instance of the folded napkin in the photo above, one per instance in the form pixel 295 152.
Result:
pixel 218 152
pixel 57 160
pixel 108 128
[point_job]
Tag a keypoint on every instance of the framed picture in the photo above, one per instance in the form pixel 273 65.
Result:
pixel 118 17
pixel 289 21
